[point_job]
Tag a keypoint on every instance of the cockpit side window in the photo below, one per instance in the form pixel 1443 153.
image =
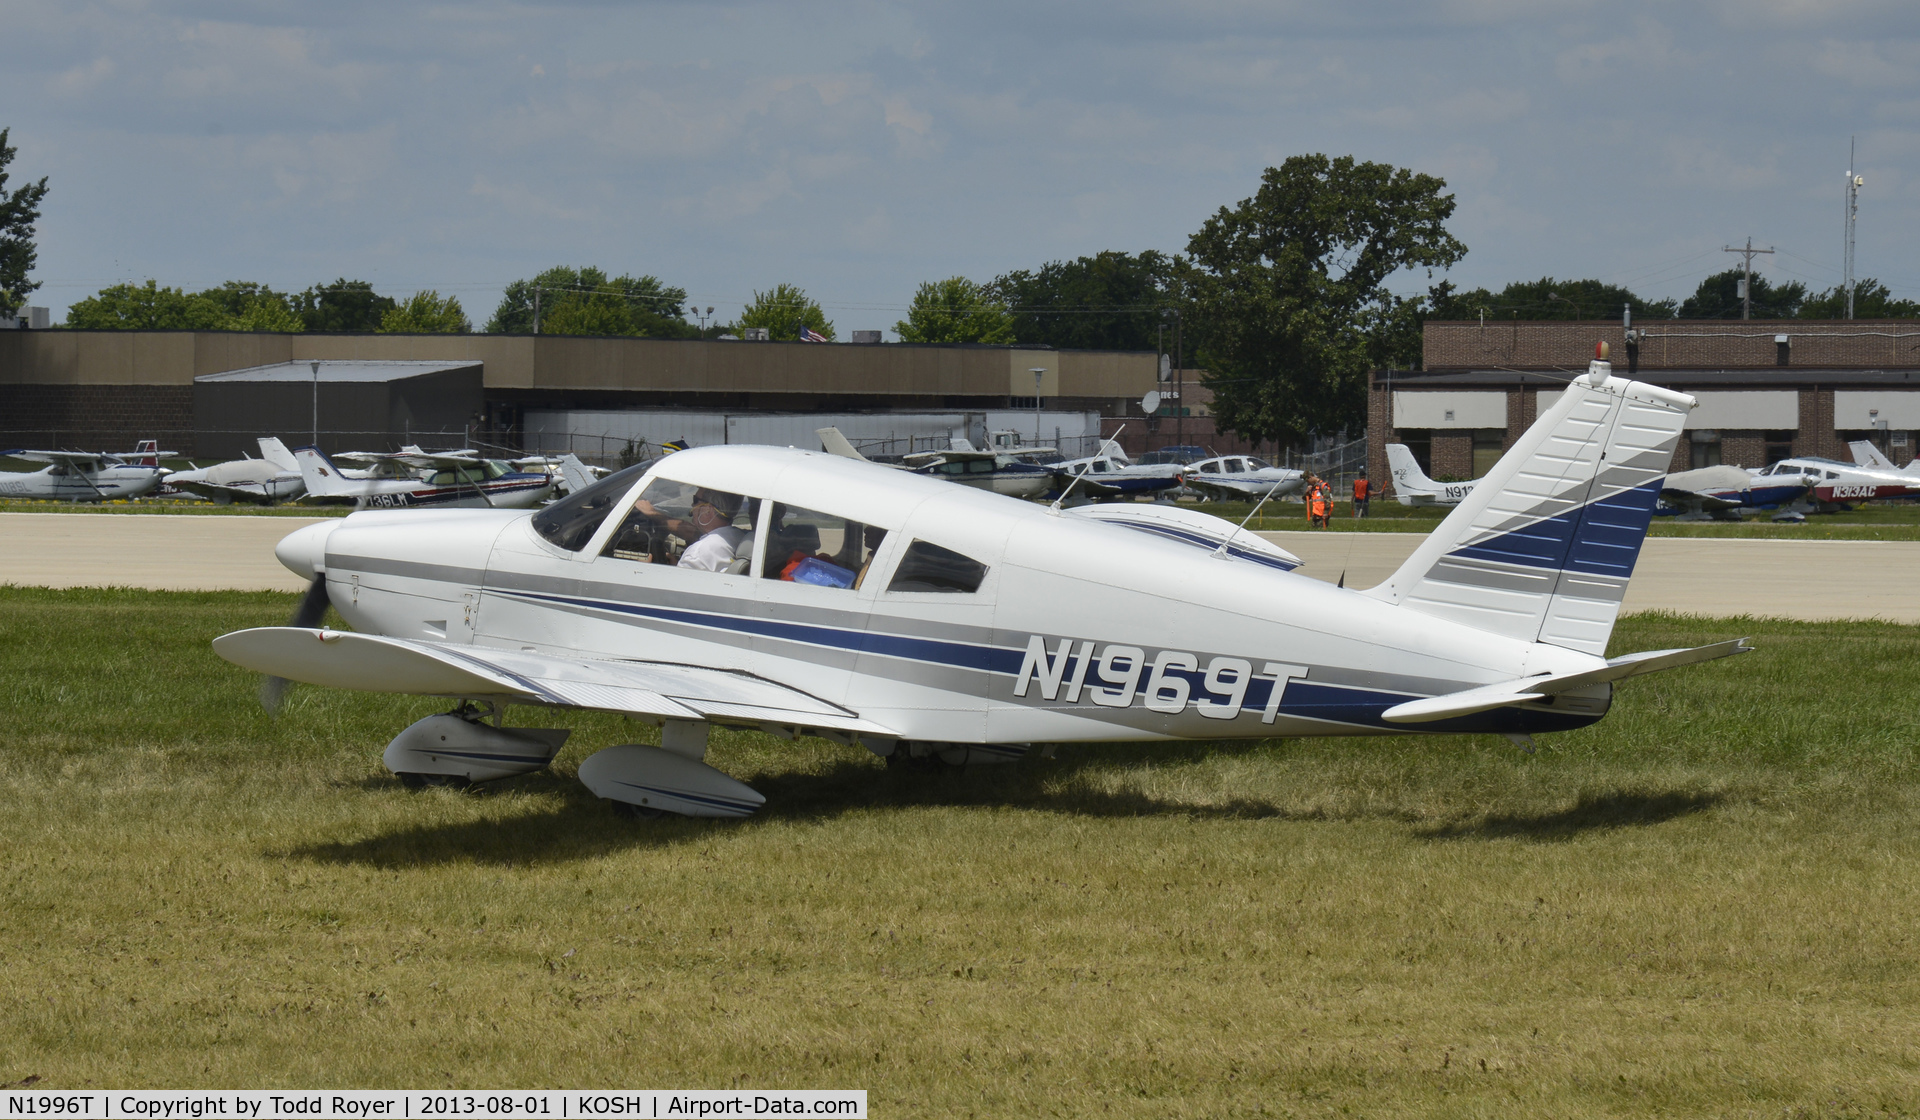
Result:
pixel 823 549
pixel 929 567
pixel 686 525
pixel 571 522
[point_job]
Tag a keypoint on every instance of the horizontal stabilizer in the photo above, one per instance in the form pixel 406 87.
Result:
pixel 370 663
pixel 1527 689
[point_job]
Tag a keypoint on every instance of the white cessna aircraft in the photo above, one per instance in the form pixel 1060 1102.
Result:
pixel 1412 486
pixel 801 592
pixel 1232 478
pixel 82 476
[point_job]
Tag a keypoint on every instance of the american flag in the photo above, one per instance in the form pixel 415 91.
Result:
pixel 808 334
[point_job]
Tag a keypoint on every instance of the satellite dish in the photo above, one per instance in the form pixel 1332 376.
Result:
pixel 1150 403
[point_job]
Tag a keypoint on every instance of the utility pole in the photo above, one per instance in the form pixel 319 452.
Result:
pixel 1854 183
pixel 1746 282
pixel 316 403
pixel 536 311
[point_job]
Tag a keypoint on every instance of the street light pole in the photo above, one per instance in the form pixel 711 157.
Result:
pixel 1038 372
pixel 316 404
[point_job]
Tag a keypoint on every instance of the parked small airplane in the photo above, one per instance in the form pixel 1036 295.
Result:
pixel 1412 486
pixel 806 593
pixel 410 479
pixel 1835 484
pixel 1720 493
pixel 1230 478
pixel 82 476
pixel 1110 474
pixel 273 477
pixel 1002 472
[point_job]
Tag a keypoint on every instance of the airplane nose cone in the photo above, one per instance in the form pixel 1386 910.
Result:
pixel 304 551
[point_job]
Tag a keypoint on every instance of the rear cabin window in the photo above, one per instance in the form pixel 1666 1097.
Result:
pixel 571 522
pixel 823 549
pixel 928 567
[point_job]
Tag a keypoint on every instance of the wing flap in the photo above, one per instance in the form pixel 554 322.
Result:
pixel 1526 689
pixel 371 663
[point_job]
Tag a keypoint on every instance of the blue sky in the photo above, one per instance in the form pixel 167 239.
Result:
pixel 857 149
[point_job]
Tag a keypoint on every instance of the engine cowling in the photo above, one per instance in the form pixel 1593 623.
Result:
pixel 663 781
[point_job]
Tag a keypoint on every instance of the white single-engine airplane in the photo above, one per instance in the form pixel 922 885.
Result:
pixel 81 476
pixel 1235 478
pixel 801 592
pixel 274 477
pixel 417 479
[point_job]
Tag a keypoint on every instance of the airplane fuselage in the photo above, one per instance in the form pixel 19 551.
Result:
pixel 69 485
pixel 1062 640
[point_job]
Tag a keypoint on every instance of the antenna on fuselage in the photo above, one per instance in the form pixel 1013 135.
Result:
pixel 1084 470
pixel 1221 552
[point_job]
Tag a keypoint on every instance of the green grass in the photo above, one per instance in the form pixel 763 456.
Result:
pixel 185 506
pixel 1704 905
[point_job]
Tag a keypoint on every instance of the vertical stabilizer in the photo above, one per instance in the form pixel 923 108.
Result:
pixel 321 476
pixel 835 442
pixel 1542 549
pixel 1408 478
pixel 1867 455
pixel 275 452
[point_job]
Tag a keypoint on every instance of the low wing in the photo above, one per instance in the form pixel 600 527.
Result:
pixel 922 458
pixel 1676 495
pixel 217 492
pixel 1528 689
pixel 371 663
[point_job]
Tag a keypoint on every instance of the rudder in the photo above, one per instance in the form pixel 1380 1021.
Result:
pixel 1542 549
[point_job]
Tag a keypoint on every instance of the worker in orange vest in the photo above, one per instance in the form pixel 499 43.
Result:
pixel 1361 492
pixel 1321 504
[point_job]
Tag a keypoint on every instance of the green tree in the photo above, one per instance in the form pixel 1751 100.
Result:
pixel 426 313
pixel 350 306
pixel 955 310
pixel 1871 300
pixel 1285 284
pixel 588 301
pixel 148 307
pixel 1718 297
pixel 1109 301
pixel 1545 298
pixel 247 306
pixel 783 311
pixel 18 212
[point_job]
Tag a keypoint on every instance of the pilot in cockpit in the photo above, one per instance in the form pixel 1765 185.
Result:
pixel 709 526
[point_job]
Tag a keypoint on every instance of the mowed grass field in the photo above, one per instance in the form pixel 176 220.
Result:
pixel 1709 904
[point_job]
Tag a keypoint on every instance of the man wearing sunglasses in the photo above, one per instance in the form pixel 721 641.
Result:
pixel 709 526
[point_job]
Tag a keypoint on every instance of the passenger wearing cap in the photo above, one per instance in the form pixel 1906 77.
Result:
pixel 709 526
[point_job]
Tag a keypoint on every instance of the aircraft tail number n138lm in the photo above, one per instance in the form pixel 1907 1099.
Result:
pixel 806 593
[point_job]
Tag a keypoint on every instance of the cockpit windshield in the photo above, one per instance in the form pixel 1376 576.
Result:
pixel 571 522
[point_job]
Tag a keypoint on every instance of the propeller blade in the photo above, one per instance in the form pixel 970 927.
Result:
pixel 313 607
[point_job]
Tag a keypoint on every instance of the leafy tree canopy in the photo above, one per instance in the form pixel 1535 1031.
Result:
pixel 344 305
pixel 585 301
pixel 426 313
pixel 1718 297
pixel 783 310
pixel 1285 285
pixel 18 211
pixel 1545 298
pixel 1871 300
pixel 237 305
pixel 1109 301
pixel 955 310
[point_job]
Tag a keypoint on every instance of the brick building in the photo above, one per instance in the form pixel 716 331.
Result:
pixel 1768 390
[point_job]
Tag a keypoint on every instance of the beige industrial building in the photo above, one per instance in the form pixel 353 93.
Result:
pixel 106 389
pixel 1768 390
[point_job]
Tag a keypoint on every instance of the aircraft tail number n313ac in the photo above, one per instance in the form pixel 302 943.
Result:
pixel 805 593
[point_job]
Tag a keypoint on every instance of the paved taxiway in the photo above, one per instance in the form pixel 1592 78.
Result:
pixel 1784 579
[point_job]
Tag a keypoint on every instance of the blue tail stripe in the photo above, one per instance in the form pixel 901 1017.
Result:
pixel 1599 538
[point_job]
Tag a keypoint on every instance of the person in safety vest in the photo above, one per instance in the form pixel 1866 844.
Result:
pixel 1361 492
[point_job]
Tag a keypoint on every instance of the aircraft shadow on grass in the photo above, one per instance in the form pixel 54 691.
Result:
pixel 574 824
pixel 1593 812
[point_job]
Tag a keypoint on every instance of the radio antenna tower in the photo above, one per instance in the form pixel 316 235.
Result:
pixel 1854 183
